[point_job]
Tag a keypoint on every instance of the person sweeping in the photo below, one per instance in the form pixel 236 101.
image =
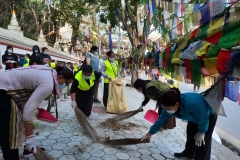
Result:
pixel 30 86
pixel 201 119
pixel 83 89
pixel 154 90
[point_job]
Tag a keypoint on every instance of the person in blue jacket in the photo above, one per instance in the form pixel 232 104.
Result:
pixel 201 122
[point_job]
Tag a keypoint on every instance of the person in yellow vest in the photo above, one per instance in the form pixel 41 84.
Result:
pixel 109 70
pixel 53 65
pixel 27 57
pixel 82 90
pixel 75 68
pixel 172 83
pixel 154 90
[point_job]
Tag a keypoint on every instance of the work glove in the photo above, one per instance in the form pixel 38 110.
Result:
pixel 30 144
pixel 140 108
pixel 109 77
pixel 199 139
pixel 73 104
pixel 147 136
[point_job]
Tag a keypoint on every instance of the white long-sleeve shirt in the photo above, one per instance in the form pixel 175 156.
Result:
pixel 41 81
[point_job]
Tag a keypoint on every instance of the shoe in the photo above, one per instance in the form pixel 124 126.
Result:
pixel 181 155
pixel 27 154
pixel 97 101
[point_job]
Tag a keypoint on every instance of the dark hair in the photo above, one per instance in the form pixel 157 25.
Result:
pixel 35 47
pixel 65 72
pixel 109 53
pixel 94 48
pixel 8 47
pixel 44 48
pixel 170 98
pixel 28 55
pixel 170 81
pixel 87 68
pixel 140 83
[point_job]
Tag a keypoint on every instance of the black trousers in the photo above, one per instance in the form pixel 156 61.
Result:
pixel 105 94
pixel 203 152
pixel 5 112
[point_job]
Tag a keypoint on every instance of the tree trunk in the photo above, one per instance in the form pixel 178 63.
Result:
pixel 135 76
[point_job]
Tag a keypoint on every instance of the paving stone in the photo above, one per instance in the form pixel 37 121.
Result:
pixel 109 157
pixel 66 135
pixel 122 156
pixel 40 138
pixel 71 150
pixel 132 147
pixel 122 149
pixel 109 150
pixel 158 157
pixel 57 131
pixel 55 153
pixel 144 157
pixel 71 144
pixel 49 142
pixel 76 138
pixel 168 155
pixel 134 158
pixel 97 153
pixel 63 140
pixel 144 152
pixel 142 146
pixel 54 136
pixel 47 148
pixel 154 150
pixel 82 156
pixel 44 133
pixel 67 157
pixel 134 154
pixel 95 158
pixel 163 150
pixel 59 146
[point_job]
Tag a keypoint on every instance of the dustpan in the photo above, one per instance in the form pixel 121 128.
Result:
pixel 151 116
pixel 41 155
pixel 45 116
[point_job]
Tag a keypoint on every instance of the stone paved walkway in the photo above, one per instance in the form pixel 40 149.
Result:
pixel 65 139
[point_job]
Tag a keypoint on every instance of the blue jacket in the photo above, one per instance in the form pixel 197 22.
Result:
pixel 193 108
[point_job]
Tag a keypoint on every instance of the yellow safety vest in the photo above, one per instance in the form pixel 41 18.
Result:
pixel 26 64
pixel 82 84
pixel 53 65
pixel 175 85
pixel 75 68
pixel 111 71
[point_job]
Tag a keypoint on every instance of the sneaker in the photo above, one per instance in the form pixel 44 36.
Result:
pixel 97 101
pixel 27 154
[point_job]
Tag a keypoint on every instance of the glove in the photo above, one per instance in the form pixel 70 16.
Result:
pixel 199 139
pixel 109 77
pixel 73 104
pixel 140 108
pixel 147 136
pixel 30 144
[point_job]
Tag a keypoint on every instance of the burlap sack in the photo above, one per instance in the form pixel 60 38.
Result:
pixel 116 99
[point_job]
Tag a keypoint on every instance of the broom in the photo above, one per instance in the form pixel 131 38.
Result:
pixel 41 155
pixel 125 141
pixel 126 115
pixel 86 126
pixel 92 134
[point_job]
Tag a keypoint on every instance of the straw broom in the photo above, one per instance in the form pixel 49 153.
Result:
pixel 126 115
pixel 41 155
pixel 86 126
pixel 92 134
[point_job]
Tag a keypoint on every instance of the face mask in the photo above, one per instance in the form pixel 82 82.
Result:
pixel 45 53
pixel 25 57
pixel 111 59
pixel 96 53
pixel 36 51
pixel 10 51
pixel 171 111
pixel 61 87
pixel 139 91
pixel 86 77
